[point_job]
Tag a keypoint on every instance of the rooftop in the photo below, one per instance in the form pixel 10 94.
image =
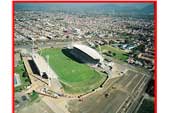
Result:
pixel 91 52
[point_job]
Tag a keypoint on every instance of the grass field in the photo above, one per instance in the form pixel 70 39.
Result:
pixel 75 77
pixel 115 52
pixel 33 96
pixel 24 79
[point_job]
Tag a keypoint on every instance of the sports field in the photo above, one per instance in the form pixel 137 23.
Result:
pixel 115 52
pixel 75 77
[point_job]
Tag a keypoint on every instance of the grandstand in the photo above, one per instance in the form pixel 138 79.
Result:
pixel 86 54
pixel 45 70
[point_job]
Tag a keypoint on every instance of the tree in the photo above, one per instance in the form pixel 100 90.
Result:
pixel 114 54
pixel 106 95
pixel 109 52
pixel 25 74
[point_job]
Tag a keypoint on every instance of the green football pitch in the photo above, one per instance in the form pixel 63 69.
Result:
pixel 75 77
pixel 118 53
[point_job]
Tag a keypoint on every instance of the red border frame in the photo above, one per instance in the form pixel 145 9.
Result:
pixel 87 1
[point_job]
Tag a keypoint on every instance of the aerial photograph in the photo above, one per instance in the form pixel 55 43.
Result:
pixel 84 57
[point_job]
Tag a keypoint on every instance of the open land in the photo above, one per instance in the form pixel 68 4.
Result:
pixel 115 97
pixel 115 52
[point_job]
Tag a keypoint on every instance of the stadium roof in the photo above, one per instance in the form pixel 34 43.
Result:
pixel 89 51
pixel 40 63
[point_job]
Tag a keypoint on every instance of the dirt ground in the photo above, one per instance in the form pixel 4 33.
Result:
pixel 37 107
pixel 121 92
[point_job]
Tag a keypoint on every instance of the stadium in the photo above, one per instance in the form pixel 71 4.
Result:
pixel 73 76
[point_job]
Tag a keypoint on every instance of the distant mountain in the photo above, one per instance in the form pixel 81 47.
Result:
pixel 148 9
pixel 127 8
